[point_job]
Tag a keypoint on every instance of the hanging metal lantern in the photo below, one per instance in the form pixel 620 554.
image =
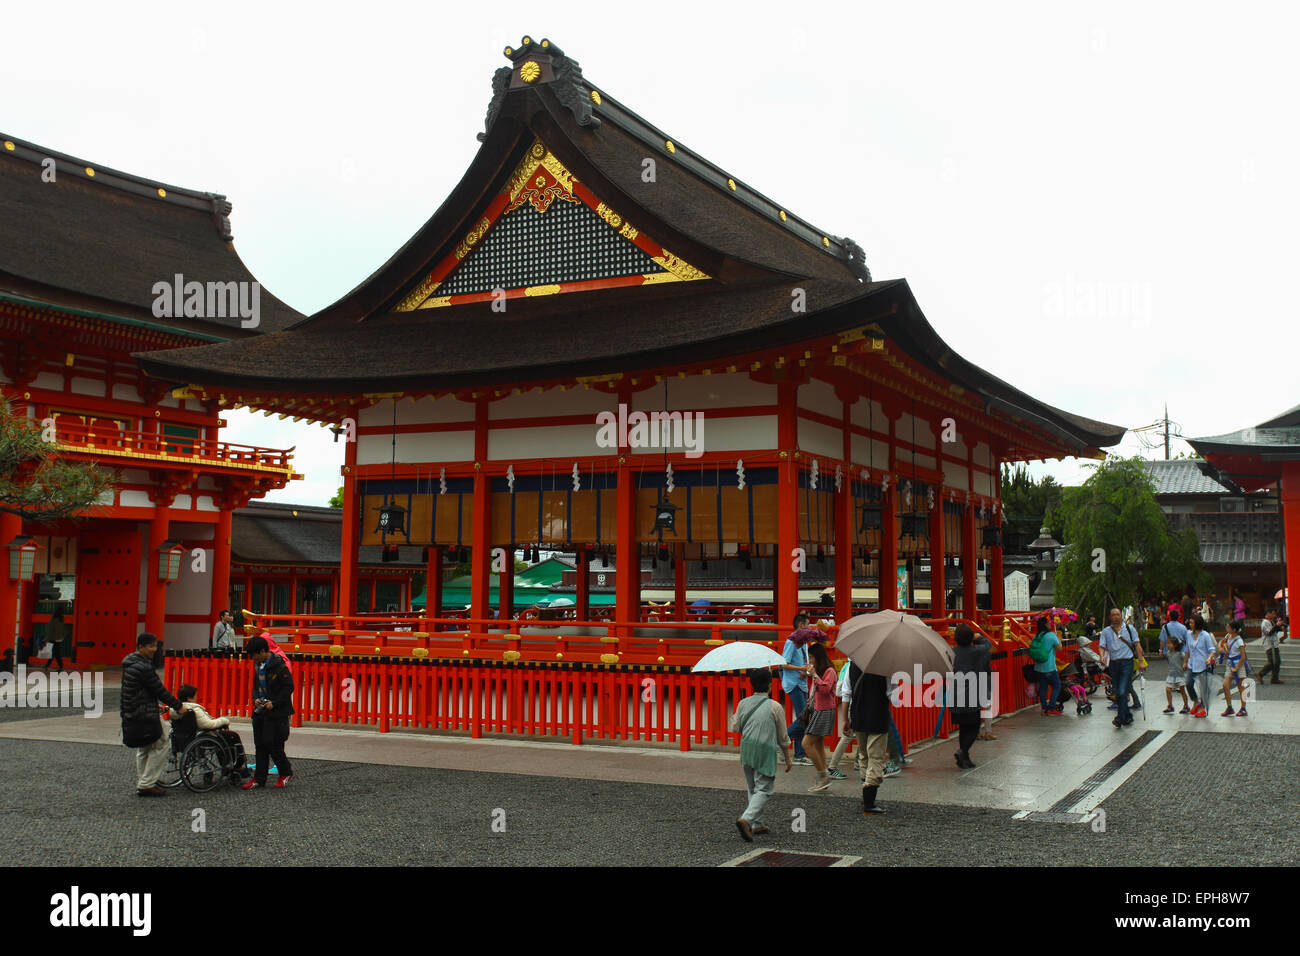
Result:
pixel 392 519
pixel 665 517
pixel 872 517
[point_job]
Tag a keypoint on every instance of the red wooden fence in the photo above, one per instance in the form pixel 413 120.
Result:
pixel 580 701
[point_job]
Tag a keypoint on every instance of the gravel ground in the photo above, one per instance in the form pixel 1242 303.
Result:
pixel 74 804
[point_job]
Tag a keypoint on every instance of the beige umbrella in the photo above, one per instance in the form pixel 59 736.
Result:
pixel 887 642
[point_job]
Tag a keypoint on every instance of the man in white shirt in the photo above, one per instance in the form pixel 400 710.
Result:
pixel 223 635
pixel 1268 633
pixel 1118 644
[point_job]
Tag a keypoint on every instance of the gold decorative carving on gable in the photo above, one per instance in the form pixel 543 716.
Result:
pixel 679 267
pixel 472 237
pixel 539 179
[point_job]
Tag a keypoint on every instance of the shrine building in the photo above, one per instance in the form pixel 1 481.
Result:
pixel 604 343
pixel 82 248
pixel 1260 457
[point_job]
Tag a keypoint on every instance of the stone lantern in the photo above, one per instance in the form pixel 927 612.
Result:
pixel 1044 595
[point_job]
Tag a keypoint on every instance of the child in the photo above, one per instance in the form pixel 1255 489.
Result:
pixel 761 722
pixel 1233 648
pixel 1174 682
pixel 186 728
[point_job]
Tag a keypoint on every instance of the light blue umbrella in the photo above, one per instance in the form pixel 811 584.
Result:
pixel 738 656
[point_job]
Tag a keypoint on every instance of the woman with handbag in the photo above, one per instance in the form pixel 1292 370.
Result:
pixel 820 714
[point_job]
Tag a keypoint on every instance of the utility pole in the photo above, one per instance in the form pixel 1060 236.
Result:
pixel 1166 431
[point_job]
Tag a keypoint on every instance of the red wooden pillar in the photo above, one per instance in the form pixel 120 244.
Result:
pixel 844 523
pixel 1289 492
pixel 155 614
pixel 221 562
pixel 433 585
pixel 997 592
pixel 627 577
pixel 11 526
pixel 583 581
pixel 786 597
pixel 481 546
pixel 938 548
pixel 968 560
pixel 679 582
pixel 349 551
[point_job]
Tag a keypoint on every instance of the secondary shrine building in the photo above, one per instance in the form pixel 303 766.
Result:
pixel 602 342
pixel 82 250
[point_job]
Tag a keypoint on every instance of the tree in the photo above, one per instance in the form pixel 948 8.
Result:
pixel 337 500
pixel 35 483
pixel 1026 503
pixel 1118 542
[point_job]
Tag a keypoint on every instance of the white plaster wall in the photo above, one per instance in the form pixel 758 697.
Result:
pixel 87 386
pixel 818 439
pixel 871 415
pixel 752 433
pixel 955 476
pixel 205 503
pixel 903 431
pixel 556 441
pixel 705 392
pixel 182 503
pixel 128 498
pixel 416 448
pixel 535 404
pixel 820 397
pixel 983 456
pixel 125 393
pixel 922 461
pixel 983 484
pixel 51 380
pixel 169 401
pixel 877 457
pixel 423 412
pixel 182 636
pixel 135 476
pixel 206 484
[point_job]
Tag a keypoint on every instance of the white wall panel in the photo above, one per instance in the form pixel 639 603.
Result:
pixel 818 439
pixel 553 402
pixel 416 448
pixel 819 396
pixel 875 457
pixel 425 411
pixel 552 442
pixel 704 392
pixel 955 476
pixel 88 386
pixel 134 499
pixel 51 380
pixel 125 393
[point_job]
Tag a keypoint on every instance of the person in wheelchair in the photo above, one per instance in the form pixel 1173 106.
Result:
pixel 194 721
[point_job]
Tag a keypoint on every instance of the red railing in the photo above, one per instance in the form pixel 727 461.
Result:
pixel 103 438
pixel 573 701
pixel 623 681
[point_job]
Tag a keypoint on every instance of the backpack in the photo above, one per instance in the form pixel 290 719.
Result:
pixel 1039 651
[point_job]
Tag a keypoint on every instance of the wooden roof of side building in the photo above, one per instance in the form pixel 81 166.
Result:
pixel 752 251
pixel 96 239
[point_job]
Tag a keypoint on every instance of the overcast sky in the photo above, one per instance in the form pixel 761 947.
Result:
pixel 1097 204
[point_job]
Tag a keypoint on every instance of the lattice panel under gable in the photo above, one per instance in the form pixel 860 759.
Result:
pixel 569 242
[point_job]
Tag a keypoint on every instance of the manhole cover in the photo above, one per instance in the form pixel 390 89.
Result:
pixel 791 858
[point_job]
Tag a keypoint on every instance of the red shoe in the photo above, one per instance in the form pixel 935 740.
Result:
pixel 283 782
pixel 250 785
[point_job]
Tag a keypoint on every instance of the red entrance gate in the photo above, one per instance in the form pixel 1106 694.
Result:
pixel 108 594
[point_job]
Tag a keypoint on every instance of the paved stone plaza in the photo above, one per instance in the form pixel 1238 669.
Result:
pixel 360 797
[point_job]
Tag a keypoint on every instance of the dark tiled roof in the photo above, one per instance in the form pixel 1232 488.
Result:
pixel 1288 419
pixel 102 242
pixel 1257 553
pixel 1183 477
pixel 267 533
pixel 735 235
